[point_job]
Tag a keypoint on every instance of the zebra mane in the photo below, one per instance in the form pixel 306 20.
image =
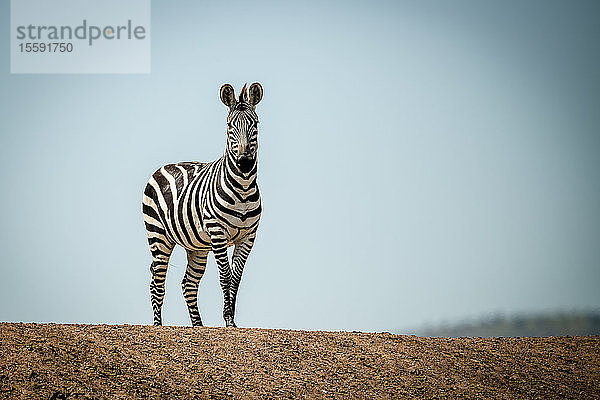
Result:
pixel 243 95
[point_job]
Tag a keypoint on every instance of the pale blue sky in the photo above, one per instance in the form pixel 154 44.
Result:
pixel 419 162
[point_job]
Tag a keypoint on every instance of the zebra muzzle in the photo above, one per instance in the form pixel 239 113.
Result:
pixel 245 163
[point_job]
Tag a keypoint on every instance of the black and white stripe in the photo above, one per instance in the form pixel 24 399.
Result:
pixel 207 207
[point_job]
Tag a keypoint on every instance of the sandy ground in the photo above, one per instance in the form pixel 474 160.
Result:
pixel 51 361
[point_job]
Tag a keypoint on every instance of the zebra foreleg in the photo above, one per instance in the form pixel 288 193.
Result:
pixel 240 255
pixel 189 285
pixel 219 248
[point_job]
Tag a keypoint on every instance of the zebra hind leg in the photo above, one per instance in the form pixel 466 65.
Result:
pixel 193 273
pixel 160 261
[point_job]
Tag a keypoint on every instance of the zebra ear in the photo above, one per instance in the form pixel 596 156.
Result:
pixel 227 95
pixel 255 94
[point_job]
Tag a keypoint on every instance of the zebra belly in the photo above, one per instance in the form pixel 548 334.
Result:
pixel 187 234
pixel 203 243
pixel 234 237
pixel 196 237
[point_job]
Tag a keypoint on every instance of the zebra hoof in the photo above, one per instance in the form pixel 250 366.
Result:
pixel 230 324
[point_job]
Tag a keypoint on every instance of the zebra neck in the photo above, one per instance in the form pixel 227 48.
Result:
pixel 243 181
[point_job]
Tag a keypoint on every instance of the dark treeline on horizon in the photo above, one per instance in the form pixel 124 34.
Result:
pixel 536 325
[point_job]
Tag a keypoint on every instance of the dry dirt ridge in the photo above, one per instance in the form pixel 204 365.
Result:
pixel 50 361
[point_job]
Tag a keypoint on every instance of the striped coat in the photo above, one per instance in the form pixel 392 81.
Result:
pixel 207 207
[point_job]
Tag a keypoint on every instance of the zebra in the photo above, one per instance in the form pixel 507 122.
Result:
pixel 207 207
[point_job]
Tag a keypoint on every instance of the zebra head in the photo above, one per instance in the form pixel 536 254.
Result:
pixel 242 124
